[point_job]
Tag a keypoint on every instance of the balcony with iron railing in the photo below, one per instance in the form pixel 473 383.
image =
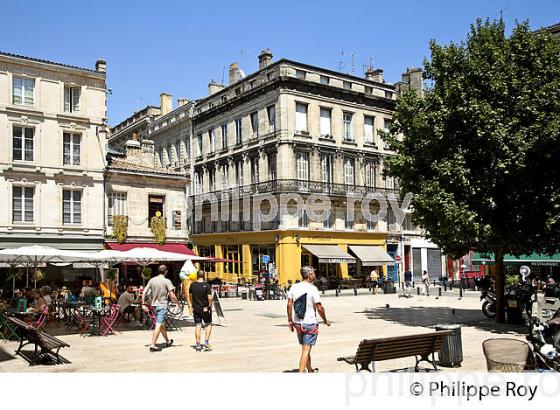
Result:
pixel 280 186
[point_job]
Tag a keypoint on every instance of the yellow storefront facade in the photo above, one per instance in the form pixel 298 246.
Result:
pixel 285 248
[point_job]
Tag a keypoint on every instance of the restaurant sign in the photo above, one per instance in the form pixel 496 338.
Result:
pixel 336 260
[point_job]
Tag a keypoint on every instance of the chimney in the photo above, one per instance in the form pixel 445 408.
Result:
pixel 214 87
pixel 148 157
pixel 165 103
pixel 182 101
pixel 374 75
pixel 233 73
pixel 265 58
pixel 101 66
pixel 413 81
pixel 133 153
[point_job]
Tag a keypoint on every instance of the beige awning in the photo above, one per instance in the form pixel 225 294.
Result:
pixel 330 254
pixel 372 255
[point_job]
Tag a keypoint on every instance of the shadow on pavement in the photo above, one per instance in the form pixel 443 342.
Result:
pixel 422 316
pixel 5 356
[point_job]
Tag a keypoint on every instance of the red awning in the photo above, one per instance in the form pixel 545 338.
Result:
pixel 168 247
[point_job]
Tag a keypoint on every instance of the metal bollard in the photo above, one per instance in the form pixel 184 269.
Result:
pixel 439 291
pixel 418 291
pixel 461 292
pixel 355 292
pixel 451 284
pixel 445 286
pixel 336 292
pixel 323 290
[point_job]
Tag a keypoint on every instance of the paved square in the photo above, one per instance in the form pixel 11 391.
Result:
pixel 257 339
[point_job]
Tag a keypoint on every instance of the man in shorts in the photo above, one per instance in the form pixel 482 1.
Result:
pixel 200 295
pixel 162 290
pixel 307 327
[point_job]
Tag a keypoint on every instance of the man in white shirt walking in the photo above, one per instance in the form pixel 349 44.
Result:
pixel 303 304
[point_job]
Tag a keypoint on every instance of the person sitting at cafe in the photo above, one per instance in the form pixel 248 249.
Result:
pixel 46 292
pixel 39 303
pixel 87 289
pixel 125 304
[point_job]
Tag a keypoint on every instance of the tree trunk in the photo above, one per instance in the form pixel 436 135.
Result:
pixel 499 285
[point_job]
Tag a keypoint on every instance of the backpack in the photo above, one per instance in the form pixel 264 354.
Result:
pixel 300 306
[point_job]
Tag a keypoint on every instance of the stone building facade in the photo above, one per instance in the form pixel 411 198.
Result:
pixel 53 134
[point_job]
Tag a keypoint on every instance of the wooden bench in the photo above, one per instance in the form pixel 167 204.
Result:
pixel 47 343
pixel 422 346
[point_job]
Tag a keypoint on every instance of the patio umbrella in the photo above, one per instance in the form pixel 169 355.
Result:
pixel 147 256
pixel 33 256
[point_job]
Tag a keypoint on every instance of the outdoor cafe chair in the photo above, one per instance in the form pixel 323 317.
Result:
pixel 8 331
pixel 38 324
pixel 108 321
pixel 150 322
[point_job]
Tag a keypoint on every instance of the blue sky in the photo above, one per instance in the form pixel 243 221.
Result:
pixel 179 46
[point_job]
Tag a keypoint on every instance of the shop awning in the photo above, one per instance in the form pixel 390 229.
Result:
pixel 534 259
pixel 330 254
pixel 372 255
pixel 168 247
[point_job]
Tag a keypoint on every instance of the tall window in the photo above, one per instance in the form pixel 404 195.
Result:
pixel 272 167
pixel 238 131
pixel 386 125
pixel 368 129
pixel 301 117
pixel 326 169
pixel 347 85
pixel 199 145
pixel 23 143
pixel 212 138
pixel 22 204
pixel 225 177
pixel 23 91
pixel 178 145
pixel 370 174
pixel 117 205
pixel 347 122
pixel 302 165
pixel 254 170
pixel 72 99
pixel 239 173
pixel 212 179
pixel 325 122
pixel 188 148
pixel 300 74
pixel 224 136
pixel 349 171
pixel 155 204
pixel 271 114
pixel 71 207
pixel 390 182
pixel 198 183
pixel 71 149
pixel 324 80
pixel 255 124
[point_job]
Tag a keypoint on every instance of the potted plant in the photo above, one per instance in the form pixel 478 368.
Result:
pixel 120 228
pixel 146 273
pixel 157 226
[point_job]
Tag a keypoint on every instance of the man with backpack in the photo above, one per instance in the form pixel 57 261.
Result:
pixel 303 304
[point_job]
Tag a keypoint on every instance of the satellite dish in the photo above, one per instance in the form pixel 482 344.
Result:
pixel 242 74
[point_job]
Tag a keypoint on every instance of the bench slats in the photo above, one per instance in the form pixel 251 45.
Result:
pixel 423 345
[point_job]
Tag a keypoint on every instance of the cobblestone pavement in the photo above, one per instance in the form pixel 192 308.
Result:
pixel 256 338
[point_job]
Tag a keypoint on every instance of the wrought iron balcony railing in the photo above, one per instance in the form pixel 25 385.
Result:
pixel 303 187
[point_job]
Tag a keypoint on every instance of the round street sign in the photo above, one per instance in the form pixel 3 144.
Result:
pixel 398 258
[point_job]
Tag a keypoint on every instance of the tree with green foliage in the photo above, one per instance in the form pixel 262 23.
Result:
pixel 480 150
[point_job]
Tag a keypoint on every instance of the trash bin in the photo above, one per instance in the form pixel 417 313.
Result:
pixel 514 315
pixel 389 287
pixel 451 353
pixel 244 295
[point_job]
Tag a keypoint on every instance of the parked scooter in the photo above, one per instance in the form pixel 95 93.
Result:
pixel 545 342
pixel 488 295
